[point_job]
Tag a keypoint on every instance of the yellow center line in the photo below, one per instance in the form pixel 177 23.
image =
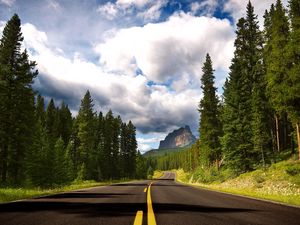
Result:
pixel 151 216
pixel 145 189
pixel 138 218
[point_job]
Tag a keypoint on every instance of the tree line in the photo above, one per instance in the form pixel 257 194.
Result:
pixel 257 118
pixel 46 146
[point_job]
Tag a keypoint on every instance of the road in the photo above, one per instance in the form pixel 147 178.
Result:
pixel 161 202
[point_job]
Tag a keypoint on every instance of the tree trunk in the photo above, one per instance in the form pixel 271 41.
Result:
pixel 298 138
pixel 277 133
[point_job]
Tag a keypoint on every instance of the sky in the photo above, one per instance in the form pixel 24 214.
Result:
pixel 140 58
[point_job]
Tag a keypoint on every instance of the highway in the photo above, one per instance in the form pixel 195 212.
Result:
pixel 162 201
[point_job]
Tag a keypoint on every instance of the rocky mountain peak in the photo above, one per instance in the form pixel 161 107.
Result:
pixel 178 138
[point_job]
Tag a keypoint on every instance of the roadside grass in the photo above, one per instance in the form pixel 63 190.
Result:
pixel 8 194
pixel 157 174
pixel 280 182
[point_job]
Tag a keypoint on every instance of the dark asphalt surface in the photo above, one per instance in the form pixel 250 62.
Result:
pixel 173 204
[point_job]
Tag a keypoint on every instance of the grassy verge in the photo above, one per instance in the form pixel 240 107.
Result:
pixel 157 174
pixel 280 182
pixel 12 194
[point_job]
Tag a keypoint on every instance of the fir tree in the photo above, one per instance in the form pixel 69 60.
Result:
pixel 51 124
pixel 276 62
pixel 292 94
pixel 210 125
pixel 40 110
pixel 16 102
pixel 86 132
pixel 132 149
pixel 62 165
pixel 243 92
pixel 64 123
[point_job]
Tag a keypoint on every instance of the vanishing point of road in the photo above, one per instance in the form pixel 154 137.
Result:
pixel 161 202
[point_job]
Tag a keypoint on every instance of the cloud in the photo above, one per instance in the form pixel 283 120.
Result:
pixel 109 10
pixel 153 13
pixel 8 2
pixel 152 108
pixel 237 8
pixel 144 9
pixel 207 7
pixel 168 50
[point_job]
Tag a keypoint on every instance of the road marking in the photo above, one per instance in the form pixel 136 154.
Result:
pixel 138 218
pixel 145 189
pixel 151 216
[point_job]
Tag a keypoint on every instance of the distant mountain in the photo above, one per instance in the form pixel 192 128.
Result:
pixel 179 138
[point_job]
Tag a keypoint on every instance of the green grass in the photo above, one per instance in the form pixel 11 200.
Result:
pixel 11 194
pixel 280 182
pixel 157 174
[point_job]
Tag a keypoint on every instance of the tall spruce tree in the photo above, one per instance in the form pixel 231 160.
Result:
pixel 86 133
pixel 16 102
pixel 132 149
pixel 292 95
pixel 210 128
pixel 242 95
pixel 277 28
pixel 64 123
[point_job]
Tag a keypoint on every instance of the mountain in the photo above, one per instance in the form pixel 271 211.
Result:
pixel 178 138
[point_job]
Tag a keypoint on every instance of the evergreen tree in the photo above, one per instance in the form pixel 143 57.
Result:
pixel 276 61
pixel 16 102
pixel 124 151
pixel 62 164
pixel 292 94
pixel 242 93
pixel 40 110
pixel 109 163
pixel 51 124
pixel 210 126
pixel 141 168
pixel 132 149
pixel 99 146
pixel 36 161
pixel 86 132
pixel 64 123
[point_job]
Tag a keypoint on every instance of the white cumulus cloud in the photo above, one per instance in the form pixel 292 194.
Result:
pixel 170 49
pixel 237 8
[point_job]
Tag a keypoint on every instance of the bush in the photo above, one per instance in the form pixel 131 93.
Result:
pixel 293 169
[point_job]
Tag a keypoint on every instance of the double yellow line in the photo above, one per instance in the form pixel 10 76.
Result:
pixel 150 214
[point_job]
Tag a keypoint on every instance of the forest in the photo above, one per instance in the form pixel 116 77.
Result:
pixel 255 122
pixel 45 146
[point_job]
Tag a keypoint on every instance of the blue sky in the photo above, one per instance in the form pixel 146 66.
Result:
pixel 140 58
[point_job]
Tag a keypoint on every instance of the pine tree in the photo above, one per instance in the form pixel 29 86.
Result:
pixel 16 102
pixel 40 110
pixel 243 92
pixel 141 168
pixel 124 151
pixel 276 63
pixel 132 149
pixel 99 146
pixel 86 133
pixel 51 124
pixel 210 126
pixel 292 94
pixel 64 123
pixel 108 164
pixel 36 161
pixel 62 164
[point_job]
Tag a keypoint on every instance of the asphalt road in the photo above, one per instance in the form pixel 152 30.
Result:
pixel 165 202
